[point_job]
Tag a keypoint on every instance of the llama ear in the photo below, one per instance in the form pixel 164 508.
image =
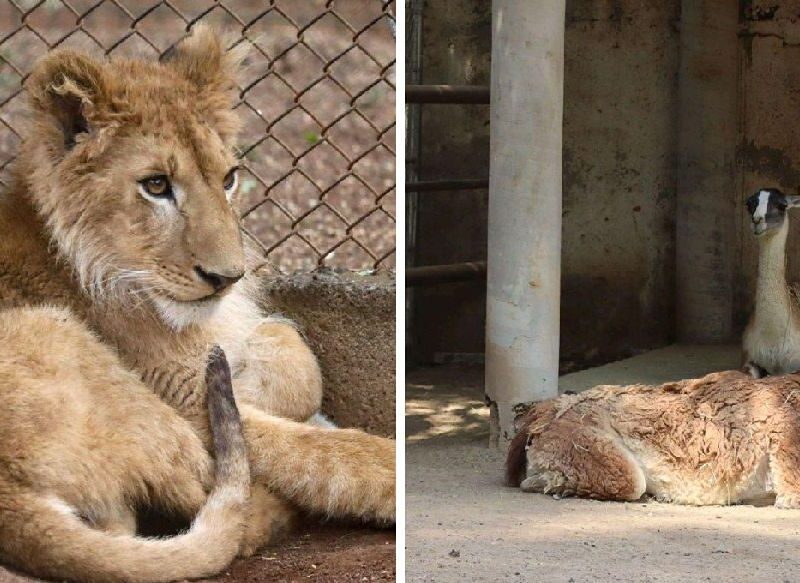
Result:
pixel 202 59
pixel 792 200
pixel 70 87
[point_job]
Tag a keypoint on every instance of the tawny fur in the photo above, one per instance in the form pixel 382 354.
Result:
pixel 771 340
pixel 84 443
pixel 76 233
pixel 722 439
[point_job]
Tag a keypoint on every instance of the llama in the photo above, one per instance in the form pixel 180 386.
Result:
pixel 771 341
pixel 723 439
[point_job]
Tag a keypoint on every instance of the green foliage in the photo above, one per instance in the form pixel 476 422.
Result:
pixel 311 137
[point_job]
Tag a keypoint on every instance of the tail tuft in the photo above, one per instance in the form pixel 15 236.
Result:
pixel 218 373
pixel 226 425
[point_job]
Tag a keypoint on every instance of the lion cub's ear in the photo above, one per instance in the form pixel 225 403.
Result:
pixel 202 58
pixel 71 87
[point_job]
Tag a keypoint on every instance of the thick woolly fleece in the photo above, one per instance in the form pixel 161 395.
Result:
pixel 723 439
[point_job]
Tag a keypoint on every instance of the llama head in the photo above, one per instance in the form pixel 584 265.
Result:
pixel 767 208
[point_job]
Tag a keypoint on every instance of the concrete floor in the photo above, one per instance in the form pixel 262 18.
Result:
pixel 462 524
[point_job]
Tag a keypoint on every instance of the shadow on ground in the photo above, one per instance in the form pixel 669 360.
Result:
pixel 446 402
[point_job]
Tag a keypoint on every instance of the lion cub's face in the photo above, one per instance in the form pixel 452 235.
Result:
pixel 130 163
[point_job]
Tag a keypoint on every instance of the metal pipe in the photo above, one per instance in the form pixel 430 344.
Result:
pixel 414 9
pixel 435 274
pixel 524 251
pixel 432 185
pixel 707 138
pixel 447 94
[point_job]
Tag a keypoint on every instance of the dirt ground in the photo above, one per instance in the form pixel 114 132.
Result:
pixel 323 552
pixel 464 524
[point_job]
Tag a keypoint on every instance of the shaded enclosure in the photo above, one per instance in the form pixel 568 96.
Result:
pixel 627 163
pixel 674 113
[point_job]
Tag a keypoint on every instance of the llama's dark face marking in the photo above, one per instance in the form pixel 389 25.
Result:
pixel 767 209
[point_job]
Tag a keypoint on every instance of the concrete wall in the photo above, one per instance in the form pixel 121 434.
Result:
pixel 620 119
pixel 619 177
pixel 620 157
pixel 349 322
pixel 769 148
pixel 455 144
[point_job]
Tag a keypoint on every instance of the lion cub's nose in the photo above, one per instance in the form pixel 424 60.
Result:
pixel 218 281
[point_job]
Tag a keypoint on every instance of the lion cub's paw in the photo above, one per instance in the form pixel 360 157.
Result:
pixel 381 508
pixel 385 510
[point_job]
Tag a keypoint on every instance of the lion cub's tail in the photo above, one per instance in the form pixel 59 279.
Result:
pixel 62 546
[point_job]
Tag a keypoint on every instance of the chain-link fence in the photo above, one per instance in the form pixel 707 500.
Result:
pixel 318 148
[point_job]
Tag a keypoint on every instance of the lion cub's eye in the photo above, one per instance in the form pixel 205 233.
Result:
pixel 229 183
pixel 157 187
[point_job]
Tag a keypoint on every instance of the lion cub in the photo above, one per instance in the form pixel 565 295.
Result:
pixel 122 209
pixel 722 439
pixel 83 442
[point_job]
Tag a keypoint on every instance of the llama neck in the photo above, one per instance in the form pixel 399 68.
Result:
pixel 772 295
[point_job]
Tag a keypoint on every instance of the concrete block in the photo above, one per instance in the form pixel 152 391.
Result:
pixel 349 321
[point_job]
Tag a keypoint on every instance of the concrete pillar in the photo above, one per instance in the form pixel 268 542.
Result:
pixel 524 254
pixel 707 138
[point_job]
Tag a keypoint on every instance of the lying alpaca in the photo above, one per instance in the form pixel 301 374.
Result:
pixel 722 439
pixel 771 341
